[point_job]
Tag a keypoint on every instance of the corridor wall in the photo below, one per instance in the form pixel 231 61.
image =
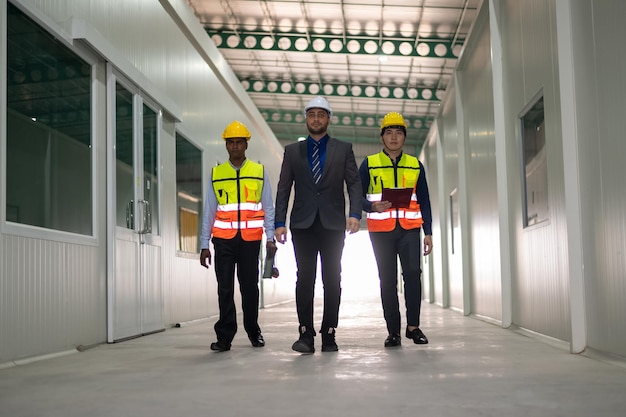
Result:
pixel 55 291
pixel 560 279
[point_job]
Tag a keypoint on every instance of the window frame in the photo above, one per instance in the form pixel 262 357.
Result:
pixel 31 231
pixel 526 224
pixel 179 252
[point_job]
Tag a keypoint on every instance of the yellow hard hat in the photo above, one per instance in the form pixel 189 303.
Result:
pixel 236 129
pixel 393 119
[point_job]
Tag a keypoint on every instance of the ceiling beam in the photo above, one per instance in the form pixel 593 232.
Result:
pixel 337 89
pixel 293 41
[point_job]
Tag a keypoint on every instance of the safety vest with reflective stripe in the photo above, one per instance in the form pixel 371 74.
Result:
pixel 239 205
pixel 384 174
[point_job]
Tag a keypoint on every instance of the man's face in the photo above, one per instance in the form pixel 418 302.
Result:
pixel 393 139
pixel 236 147
pixel 317 121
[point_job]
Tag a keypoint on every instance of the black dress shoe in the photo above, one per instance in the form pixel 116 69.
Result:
pixel 220 346
pixel 257 340
pixel 393 340
pixel 418 337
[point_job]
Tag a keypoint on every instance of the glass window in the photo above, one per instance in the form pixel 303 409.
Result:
pixel 49 152
pixel 455 223
pixel 536 208
pixel 188 194
pixel 151 170
pixel 124 157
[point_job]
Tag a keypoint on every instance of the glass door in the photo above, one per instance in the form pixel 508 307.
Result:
pixel 134 277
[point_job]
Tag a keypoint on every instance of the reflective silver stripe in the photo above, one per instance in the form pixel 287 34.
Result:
pixel 411 215
pixel 380 216
pixel 401 214
pixel 218 224
pixel 241 206
pixel 253 224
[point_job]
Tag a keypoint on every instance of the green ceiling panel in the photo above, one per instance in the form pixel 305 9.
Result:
pixel 341 89
pixel 330 43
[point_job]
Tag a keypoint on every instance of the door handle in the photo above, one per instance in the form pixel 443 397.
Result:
pixel 147 215
pixel 146 218
pixel 130 215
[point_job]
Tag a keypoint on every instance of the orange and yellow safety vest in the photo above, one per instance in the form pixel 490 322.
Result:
pixel 239 205
pixel 384 174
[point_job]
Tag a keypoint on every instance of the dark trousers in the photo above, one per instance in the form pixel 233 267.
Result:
pixel 307 244
pixel 388 246
pixel 245 256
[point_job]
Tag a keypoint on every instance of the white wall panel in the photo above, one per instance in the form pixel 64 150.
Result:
pixel 540 285
pixel 449 138
pixel 431 265
pixel 152 289
pixel 126 317
pixel 53 304
pixel 599 100
pixel 607 309
pixel 477 101
pixel 432 156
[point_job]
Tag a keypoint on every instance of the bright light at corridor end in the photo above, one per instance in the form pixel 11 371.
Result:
pixel 359 273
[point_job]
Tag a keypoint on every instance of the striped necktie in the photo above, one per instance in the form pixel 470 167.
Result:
pixel 316 167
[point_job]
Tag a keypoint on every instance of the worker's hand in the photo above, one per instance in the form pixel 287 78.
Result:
pixel 271 248
pixel 428 244
pixel 352 225
pixel 205 255
pixel 280 234
pixel 380 206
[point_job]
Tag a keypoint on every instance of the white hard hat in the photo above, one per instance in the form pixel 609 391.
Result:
pixel 319 102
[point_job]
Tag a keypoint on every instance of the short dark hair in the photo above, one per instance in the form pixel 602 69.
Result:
pixel 384 129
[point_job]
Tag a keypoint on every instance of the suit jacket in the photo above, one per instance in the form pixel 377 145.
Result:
pixel 327 197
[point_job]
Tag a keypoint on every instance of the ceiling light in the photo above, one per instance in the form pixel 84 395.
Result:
pixel 383 58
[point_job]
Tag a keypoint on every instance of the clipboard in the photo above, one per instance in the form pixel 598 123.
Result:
pixel 398 197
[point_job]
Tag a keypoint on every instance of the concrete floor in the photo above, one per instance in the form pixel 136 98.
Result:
pixel 470 368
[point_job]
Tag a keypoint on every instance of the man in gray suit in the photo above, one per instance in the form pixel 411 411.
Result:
pixel 318 168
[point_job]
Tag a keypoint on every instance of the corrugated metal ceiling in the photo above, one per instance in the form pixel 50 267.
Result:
pixel 285 52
